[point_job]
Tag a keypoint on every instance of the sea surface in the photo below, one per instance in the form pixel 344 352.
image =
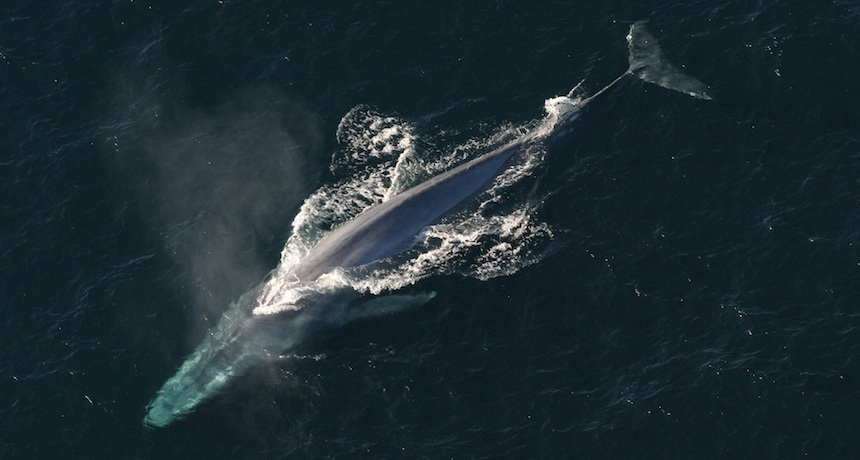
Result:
pixel 677 278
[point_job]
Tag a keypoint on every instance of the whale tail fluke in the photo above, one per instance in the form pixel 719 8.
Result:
pixel 647 63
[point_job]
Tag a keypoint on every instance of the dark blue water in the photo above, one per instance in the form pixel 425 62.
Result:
pixel 698 297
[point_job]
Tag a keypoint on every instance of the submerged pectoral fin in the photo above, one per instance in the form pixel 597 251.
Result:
pixel 647 63
pixel 380 306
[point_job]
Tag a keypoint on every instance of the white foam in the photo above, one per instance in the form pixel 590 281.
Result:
pixel 380 158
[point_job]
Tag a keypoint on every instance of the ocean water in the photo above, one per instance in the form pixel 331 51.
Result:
pixel 675 279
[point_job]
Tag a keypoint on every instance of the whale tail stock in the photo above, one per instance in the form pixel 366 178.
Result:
pixel 648 64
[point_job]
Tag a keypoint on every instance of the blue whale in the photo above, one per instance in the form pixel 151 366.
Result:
pixel 243 339
pixel 387 229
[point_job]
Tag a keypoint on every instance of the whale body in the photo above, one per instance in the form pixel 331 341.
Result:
pixel 243 339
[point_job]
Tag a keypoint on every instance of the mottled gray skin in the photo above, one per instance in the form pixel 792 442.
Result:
pixel 391 227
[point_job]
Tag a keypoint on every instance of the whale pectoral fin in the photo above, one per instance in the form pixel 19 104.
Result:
pixel 648 64
pixel 382 306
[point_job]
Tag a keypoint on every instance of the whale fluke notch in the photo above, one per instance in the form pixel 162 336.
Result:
pixel 647 63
